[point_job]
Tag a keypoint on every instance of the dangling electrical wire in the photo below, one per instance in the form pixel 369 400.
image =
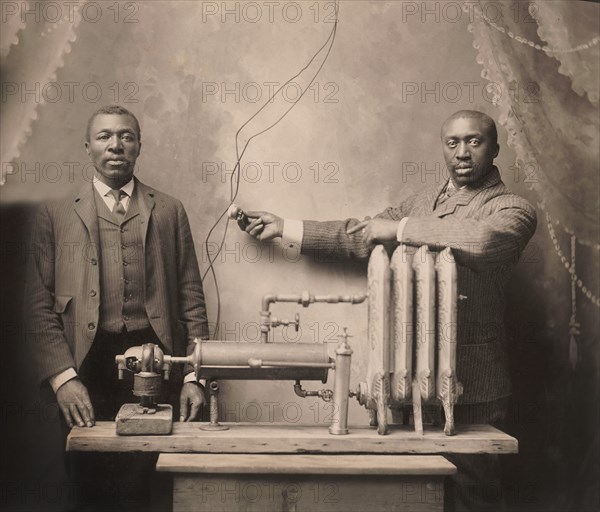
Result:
pixel 235 175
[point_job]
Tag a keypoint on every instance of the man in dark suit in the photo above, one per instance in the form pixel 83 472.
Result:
pixel 113 266
pixel 487 228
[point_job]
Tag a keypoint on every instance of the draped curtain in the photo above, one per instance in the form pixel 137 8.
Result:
pixel 541 59
pixel 49 29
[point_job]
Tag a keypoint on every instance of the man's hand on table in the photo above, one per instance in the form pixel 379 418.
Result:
pixel 74 402
pixel 191 399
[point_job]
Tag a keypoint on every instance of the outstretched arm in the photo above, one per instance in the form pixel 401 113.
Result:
pixel 496 238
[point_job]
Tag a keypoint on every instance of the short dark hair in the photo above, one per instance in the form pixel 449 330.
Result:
pixel 117 110
pixel 489 123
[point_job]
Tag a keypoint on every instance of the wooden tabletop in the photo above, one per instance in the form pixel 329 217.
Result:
pixel 304 464
pixel 285 438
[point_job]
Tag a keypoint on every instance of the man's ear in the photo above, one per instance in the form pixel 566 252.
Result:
pixel 87 147
pixel 497 150
pixel 139 149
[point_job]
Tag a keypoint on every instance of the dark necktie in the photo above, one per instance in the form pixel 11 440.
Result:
pixel 118 208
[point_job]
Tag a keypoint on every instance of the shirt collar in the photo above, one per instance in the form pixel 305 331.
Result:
pixel 452 186
pixel 103 188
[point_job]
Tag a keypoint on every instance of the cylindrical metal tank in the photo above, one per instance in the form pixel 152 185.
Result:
pixel 264 361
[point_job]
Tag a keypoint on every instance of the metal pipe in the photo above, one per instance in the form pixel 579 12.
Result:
pixel 267 300
pixel 341 387
pixel 213 388
pixel 180 359
pixel 301 392
pixel 259 363
pixel 325 394
pixel 305 298
pixel 214 404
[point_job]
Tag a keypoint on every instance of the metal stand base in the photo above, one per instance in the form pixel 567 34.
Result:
pixel 212 427
pixel 338 431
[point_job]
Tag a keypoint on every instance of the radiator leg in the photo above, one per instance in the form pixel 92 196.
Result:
pixel 417 407
pixel 372 417
pixel 451 389
pixel 449 413
pixel 382 399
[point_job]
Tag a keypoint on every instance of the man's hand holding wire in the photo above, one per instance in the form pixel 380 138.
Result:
pixel 264 226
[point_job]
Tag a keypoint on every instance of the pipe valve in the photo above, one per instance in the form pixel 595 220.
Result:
pixel 276 322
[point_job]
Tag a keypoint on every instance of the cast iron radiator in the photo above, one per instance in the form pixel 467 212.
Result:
pixel 412 334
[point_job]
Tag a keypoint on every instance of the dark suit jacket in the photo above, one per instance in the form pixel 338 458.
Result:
pixel 63 295
pixel 487 228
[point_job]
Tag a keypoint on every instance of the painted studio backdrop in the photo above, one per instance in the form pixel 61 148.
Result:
pixel 354 100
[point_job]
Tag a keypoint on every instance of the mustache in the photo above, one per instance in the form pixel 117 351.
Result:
pixel 464 165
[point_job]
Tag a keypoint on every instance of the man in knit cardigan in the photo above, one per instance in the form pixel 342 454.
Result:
pixel 487 228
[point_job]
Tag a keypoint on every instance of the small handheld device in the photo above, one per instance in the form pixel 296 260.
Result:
pixel 236 213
